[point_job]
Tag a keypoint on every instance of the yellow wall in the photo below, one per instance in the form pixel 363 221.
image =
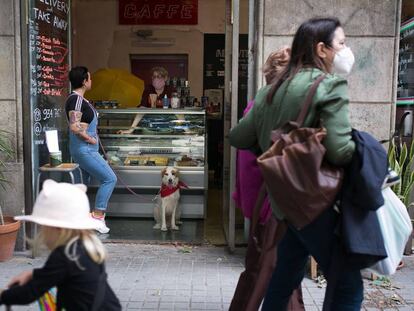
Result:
pixel 99 41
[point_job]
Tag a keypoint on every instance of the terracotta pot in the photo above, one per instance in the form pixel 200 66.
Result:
pixel 8 235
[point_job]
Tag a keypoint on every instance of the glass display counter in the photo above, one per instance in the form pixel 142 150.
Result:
pixel 161 137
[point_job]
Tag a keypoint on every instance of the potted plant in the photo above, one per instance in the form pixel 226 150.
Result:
pixel 8 226
pixel 401 160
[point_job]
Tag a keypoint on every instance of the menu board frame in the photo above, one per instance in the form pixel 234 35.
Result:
pixel 46 51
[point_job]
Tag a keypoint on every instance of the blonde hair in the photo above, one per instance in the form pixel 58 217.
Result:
pixel 68 238
pixel 161 70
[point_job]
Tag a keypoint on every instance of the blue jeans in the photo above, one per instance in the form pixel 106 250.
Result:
pixel 317 239
pixel 92 164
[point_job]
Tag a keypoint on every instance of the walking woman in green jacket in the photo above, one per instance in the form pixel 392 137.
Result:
pixel 318 48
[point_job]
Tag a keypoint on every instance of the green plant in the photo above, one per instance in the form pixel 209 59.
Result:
pixel 6 152
pixel 401 161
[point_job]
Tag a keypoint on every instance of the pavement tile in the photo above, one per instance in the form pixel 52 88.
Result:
pixel 183 299
pixel 199 288
pixel 197 299
pixel 165 305
pixel 183 305
pixel 197 305
pixel 214 306
pixel 168 298
pixel 134 305
pixel 150 305
pixel 152 298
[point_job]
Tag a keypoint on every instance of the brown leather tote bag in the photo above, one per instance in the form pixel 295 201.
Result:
pixel 298 179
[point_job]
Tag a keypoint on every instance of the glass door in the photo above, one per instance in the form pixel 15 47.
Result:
pixel 230 116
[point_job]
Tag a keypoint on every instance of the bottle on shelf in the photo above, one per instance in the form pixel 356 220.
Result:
pixel 175 101
pixel 165 102
pixel 191 102
pixel 197 103
pixel 204 102
pixel 178 91
pixel 159 103
pixel 174 82
pixel 187 88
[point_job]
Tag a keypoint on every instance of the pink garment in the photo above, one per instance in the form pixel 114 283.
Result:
pixel 248 182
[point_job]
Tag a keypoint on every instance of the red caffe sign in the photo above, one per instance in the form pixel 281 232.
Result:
pixel 158 12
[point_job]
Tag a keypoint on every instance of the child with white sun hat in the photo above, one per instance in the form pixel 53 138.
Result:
pixel 76 263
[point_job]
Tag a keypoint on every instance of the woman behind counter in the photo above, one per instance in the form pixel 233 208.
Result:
pixel 159 76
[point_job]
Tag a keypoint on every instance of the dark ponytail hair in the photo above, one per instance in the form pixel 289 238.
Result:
pixel 77 75
pixel 303 53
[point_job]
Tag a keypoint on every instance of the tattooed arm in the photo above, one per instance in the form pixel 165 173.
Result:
pixel 79 128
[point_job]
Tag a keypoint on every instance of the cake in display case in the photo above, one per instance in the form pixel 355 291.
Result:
pixel 162 137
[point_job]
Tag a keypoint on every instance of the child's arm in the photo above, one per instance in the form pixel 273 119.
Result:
pixel 52 274
pixel 21 279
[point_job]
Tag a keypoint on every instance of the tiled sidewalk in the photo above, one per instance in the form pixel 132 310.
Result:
pixel 168 277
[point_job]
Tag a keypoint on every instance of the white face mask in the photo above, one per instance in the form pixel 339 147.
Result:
pixel 343 61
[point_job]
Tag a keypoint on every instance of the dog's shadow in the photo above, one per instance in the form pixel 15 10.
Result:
pixel 169 235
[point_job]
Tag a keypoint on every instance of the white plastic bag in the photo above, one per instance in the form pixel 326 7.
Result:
pixel 396 228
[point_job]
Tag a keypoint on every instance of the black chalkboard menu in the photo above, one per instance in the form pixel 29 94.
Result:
pixel 405 91
pixel 213 77
pixel 48 35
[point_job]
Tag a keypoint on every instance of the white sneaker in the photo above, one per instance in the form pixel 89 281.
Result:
pixel 102 224
pixel 103 228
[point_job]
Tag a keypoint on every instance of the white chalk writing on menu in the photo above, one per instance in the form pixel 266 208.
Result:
pixel 49 72
pixel 49 66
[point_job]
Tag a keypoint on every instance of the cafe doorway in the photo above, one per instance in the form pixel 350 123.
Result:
pixel 100 41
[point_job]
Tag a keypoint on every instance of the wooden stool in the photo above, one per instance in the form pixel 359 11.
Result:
pixel 62 168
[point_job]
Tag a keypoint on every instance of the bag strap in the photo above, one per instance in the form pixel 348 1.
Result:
pixel 308 100
pixel 281 225
pixel 257 208
pixel 256 216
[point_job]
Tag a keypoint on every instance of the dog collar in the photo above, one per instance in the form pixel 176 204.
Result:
pixel 166 190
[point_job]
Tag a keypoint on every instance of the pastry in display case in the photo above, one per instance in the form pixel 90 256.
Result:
pixel 162 137
pixel 186 161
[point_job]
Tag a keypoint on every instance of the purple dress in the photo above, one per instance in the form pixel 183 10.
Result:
pixel 248 182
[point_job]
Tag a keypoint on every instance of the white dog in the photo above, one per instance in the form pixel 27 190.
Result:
pixel 167 207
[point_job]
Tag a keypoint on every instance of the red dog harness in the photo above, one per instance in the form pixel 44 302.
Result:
pixel 167 190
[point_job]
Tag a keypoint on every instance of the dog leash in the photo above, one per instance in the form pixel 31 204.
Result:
pixel 139 196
